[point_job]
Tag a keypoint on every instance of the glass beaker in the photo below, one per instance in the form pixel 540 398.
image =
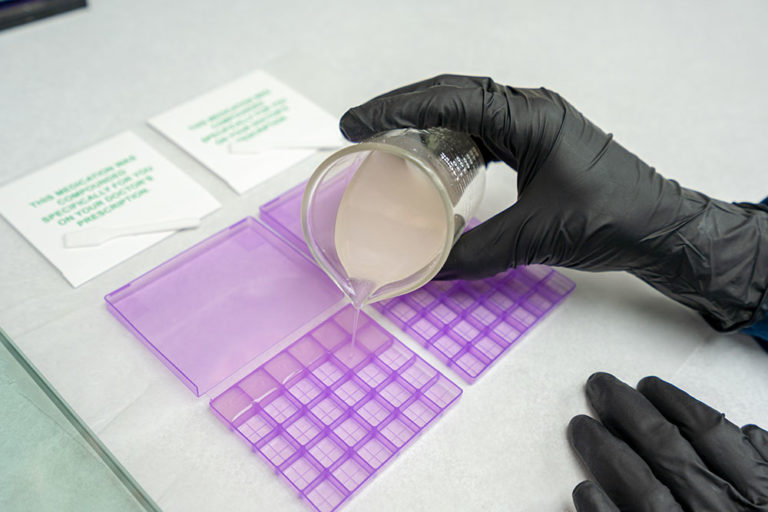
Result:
pixel 451 161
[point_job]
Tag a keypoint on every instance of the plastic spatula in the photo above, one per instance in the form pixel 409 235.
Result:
pixel 91 237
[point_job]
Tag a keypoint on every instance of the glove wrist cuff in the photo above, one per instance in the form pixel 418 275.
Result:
pixel 717 264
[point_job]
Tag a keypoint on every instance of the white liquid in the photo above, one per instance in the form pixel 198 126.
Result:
pixel 391 223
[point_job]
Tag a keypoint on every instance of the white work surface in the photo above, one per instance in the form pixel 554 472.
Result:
pixel 683 84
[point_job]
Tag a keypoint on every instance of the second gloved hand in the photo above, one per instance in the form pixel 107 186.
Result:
pixel 584 201
pixel 657 449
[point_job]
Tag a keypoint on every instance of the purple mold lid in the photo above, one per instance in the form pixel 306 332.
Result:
pixel 213 308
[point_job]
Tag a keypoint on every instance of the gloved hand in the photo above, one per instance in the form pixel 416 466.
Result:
pixel 659 449
pixel 584 201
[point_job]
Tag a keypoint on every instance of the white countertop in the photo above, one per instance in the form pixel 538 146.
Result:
pixel 681 83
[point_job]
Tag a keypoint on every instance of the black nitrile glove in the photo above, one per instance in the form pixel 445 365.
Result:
pixel 584 201
pixel 658 449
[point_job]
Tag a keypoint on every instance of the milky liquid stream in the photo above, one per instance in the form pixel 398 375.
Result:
pixel 355 321
pixel 390 224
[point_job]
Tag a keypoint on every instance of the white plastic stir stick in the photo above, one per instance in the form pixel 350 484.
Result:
pixel 318 144
pixel 91 237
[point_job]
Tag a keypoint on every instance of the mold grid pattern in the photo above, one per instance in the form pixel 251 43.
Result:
pixel 470 324
pixel 328 415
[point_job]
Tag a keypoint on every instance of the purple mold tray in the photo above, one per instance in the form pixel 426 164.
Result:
pixel 328 415
pixel 470 324
pixel 467 324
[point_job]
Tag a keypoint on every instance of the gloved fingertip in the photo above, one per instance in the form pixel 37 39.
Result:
pixel 603 388
pixel 589 497
pixel 600 378
pixel 578 420
pixel 582 488
pixel 352 126
pixel 577 425
pixel 649 383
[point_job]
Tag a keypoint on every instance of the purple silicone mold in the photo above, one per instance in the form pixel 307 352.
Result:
pixel 328 415
pixel 467 324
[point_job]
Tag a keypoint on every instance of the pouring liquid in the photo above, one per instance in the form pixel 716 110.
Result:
pixel 390 224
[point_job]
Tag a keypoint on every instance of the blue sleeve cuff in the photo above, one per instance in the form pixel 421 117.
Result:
pixel 759 331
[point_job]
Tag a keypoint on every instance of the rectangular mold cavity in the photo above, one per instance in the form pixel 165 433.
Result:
pixel 467 324
pixel 470 324
pixel 328 415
